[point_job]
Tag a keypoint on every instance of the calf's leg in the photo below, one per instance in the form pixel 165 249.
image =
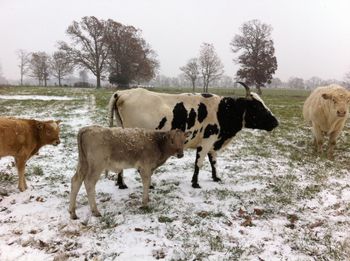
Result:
pixel 146 181
pixel 20 164
pixel 76 182
pixel 90 184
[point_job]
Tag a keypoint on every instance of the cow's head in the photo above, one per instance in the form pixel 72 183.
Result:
pixel 257 115
pixel 177 140
pixel 339 100
pixel 49 132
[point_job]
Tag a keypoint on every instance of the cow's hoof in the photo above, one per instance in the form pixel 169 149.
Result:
pixel 196 185
pixel 21 189
pixel 145 208
pixel 96 213
pixel 73 215
pixel 122 186
pixel 216 179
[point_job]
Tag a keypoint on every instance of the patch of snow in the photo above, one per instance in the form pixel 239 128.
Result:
pixel 36 97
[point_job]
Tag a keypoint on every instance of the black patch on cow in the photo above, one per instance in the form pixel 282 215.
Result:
pixel 206 95
pixel 115 95
pixel 201 129
pixel 179 117
pixel 211 129
pixel 230 118
pixel 161 124
pixel 191 119
pixel 258 117
pixel 196 170
pixel 213 168
pixel 194 134
pixel 202 112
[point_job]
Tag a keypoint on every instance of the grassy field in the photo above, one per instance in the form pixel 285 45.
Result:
pixel 278 199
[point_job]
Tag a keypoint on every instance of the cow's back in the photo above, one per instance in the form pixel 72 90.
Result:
pixel 110 146
pixel 15 134
pixel 146 109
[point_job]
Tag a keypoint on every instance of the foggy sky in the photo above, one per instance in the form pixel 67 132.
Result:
pixel 311 37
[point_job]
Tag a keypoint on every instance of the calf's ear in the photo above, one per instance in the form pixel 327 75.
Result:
pixel 326 96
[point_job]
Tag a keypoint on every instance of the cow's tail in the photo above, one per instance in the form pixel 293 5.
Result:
pixel 113 111
pixel 82 161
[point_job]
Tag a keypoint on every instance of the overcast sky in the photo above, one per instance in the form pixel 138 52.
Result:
pixel 311 37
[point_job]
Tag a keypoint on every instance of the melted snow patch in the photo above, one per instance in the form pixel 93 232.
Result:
pixel 35 97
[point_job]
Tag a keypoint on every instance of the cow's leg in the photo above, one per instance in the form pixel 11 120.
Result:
pixel 197 165
pixel 332 142
pixel 76 182
pixel 120 181
pixel 318 137
pixel 20 164
pixel 212 160
pixel 146 182
pixel 90 181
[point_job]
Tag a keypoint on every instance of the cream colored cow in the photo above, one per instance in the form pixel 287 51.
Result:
pixel 327 109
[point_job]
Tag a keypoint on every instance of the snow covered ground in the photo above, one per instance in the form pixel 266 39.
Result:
pixel 276 201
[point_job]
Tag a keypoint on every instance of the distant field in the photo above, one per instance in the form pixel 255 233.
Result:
pixel 278 199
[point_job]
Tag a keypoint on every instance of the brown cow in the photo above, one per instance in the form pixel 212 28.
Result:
pixel 327 109
pixel 116 149
pixel 22 138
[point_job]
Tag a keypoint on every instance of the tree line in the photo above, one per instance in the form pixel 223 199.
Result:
pixel 117 52
pixel 107 49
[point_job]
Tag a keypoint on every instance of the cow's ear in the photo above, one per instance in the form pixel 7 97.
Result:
pixel 58 122
pixel 40 125
pixel 327 96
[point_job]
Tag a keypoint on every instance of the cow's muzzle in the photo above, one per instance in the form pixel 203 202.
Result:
pixel 179 155
pixel 56 142
pixel 341 114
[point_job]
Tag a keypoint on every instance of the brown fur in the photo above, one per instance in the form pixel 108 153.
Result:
pixel 327 109
pixel 22 138
pixel 116 149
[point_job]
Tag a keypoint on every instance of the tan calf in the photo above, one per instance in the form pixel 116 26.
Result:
pixel 22 138
pixel 116 149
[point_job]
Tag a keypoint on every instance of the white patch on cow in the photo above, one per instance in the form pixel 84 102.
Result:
pixel 257 97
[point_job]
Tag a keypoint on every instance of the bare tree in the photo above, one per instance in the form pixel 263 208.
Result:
pixel 191 71
pixel 88 48
pixel 61 65
pixel 258 61
pixel 210 65
pixel 2 78
pixel 24 62
pixel 83 76
pixel 40 67
pixel 296 83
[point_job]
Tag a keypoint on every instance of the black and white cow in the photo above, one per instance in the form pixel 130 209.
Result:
pixel 213 120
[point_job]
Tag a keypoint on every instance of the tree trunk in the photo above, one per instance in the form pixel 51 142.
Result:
pixel 98 80
pixel 193 87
